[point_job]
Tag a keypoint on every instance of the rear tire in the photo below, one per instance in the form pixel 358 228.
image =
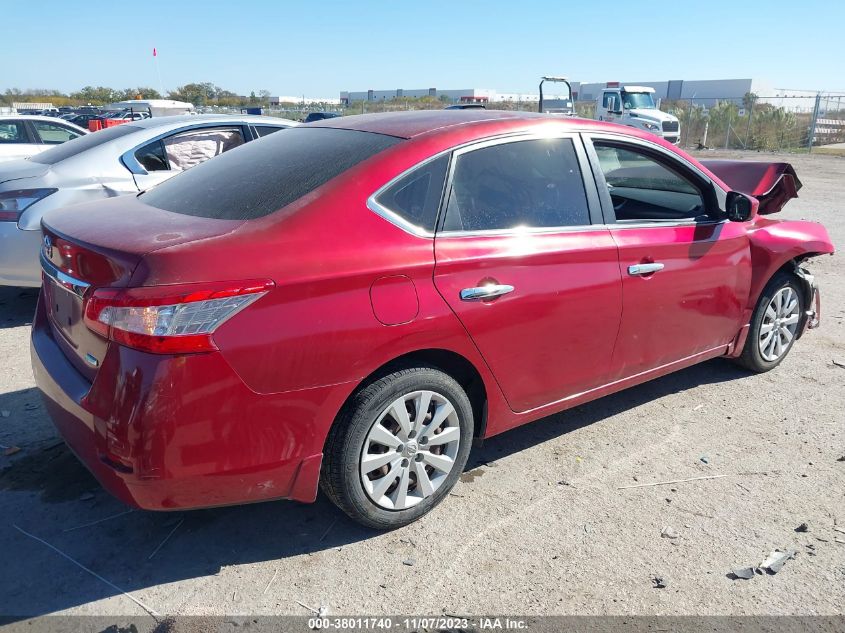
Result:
pixel 398 447
pixel 774 325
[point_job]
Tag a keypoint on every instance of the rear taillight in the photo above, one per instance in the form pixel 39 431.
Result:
pixel 169 319
pixel 13 203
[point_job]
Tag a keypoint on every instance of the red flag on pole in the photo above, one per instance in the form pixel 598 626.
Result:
pixel 154 52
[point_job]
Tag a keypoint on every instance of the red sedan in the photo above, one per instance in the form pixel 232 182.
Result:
pixel 349 304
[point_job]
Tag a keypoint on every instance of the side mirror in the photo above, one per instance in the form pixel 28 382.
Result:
pixel 738 207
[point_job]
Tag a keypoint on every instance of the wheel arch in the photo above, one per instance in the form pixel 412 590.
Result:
pixel 449 362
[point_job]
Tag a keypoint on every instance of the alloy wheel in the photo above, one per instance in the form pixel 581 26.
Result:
pixel 780 324
pixel 410 450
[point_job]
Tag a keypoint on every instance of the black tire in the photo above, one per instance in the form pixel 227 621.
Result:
pixel 751 357
pixel 340 478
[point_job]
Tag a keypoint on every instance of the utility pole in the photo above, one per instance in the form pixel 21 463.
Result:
pixel 813 122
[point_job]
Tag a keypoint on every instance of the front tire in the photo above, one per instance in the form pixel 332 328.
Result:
pixel 774 325
pixel 398 447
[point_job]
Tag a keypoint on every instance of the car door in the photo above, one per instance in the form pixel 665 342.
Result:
pixel 523 260
pixel 170 154
pixel 686 271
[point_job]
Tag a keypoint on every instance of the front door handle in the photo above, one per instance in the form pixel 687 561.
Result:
pixel 487 291
pixel 644 269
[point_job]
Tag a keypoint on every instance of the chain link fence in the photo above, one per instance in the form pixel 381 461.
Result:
pixel 757 122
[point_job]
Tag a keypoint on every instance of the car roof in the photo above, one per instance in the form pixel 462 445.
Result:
pixel 415 123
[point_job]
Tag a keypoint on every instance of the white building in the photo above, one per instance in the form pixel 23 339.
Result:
pixel 453 95
pixel 302 100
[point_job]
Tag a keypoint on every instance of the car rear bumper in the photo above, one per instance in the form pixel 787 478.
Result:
pixel 176 432
pixel 19 251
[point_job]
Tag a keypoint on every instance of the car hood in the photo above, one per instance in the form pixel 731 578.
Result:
pixel 18 169
pixel 772 183
pixel 652 114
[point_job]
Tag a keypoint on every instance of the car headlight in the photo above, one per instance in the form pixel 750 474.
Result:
pixel 651 126
pixel 13 203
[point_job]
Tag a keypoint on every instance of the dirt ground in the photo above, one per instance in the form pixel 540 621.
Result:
pixel 538 524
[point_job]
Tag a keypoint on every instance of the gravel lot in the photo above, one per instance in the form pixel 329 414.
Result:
pixel 537 526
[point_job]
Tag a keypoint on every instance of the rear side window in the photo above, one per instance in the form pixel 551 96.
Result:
pixel 415 197
pixel 532 184
pixel 82 144
pixel 266 130
pixel 260 178
pixel 12 132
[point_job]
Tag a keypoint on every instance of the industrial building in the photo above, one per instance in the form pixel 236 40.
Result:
pixel 701 92
pixel 460 95
pixel 302 100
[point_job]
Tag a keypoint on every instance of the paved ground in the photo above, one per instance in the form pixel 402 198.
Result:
pixel 537 526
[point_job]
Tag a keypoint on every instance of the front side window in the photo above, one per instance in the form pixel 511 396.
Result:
pixel 609 101
pixel 416 196
pixel 53 134
pixel 642 188
pixel 520 184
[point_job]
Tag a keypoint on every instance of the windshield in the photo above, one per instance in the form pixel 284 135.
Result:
pixel 81 144
pixel 633 100
pixel 265 175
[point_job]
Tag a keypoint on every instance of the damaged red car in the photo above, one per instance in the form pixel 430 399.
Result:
pixel 350 304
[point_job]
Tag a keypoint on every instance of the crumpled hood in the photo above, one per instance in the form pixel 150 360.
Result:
pixel 773 184
pixel 18 169
pixel 652 114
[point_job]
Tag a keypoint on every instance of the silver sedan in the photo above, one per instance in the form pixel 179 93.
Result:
pixel 117 161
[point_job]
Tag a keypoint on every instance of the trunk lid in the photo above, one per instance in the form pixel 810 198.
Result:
pixel 97 245
pixel 773 184
pixel 23 168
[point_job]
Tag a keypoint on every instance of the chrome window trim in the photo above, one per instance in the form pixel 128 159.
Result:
pixel 131 163
pixel 76 286
pixel 577 229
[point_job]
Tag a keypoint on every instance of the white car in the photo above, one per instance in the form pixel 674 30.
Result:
pixel 23 136
pixel 117 161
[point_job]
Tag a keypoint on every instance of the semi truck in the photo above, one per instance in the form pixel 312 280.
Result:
pixel 634 106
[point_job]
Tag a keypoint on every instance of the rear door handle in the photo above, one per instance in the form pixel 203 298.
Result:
pixel 644 269
pixel 487 291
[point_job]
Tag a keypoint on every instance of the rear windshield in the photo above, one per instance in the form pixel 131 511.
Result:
pixel 263 176
pixel 81 144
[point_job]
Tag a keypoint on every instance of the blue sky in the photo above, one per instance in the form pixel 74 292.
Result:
pixel 319 47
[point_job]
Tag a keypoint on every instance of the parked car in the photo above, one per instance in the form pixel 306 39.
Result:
pixel 465 106
pixel 320 116
pixel 25 136
pixel 354 302
pixel 82 119
pixel 125 159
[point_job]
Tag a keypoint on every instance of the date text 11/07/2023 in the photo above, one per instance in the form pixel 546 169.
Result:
pixel 414 623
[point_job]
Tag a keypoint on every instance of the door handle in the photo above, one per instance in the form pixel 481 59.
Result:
pixel 644 269
pixel 487 291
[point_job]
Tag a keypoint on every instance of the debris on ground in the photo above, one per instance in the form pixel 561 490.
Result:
pixel 776 560
pixel 409 562
pixel 839 363
pixel 841 459
pixel 705 459
pixel 744 573
pixel 839 528
pixel 802 528
pixel 698 407
pixel 669 532
pixel 773 564
pixel 658 582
